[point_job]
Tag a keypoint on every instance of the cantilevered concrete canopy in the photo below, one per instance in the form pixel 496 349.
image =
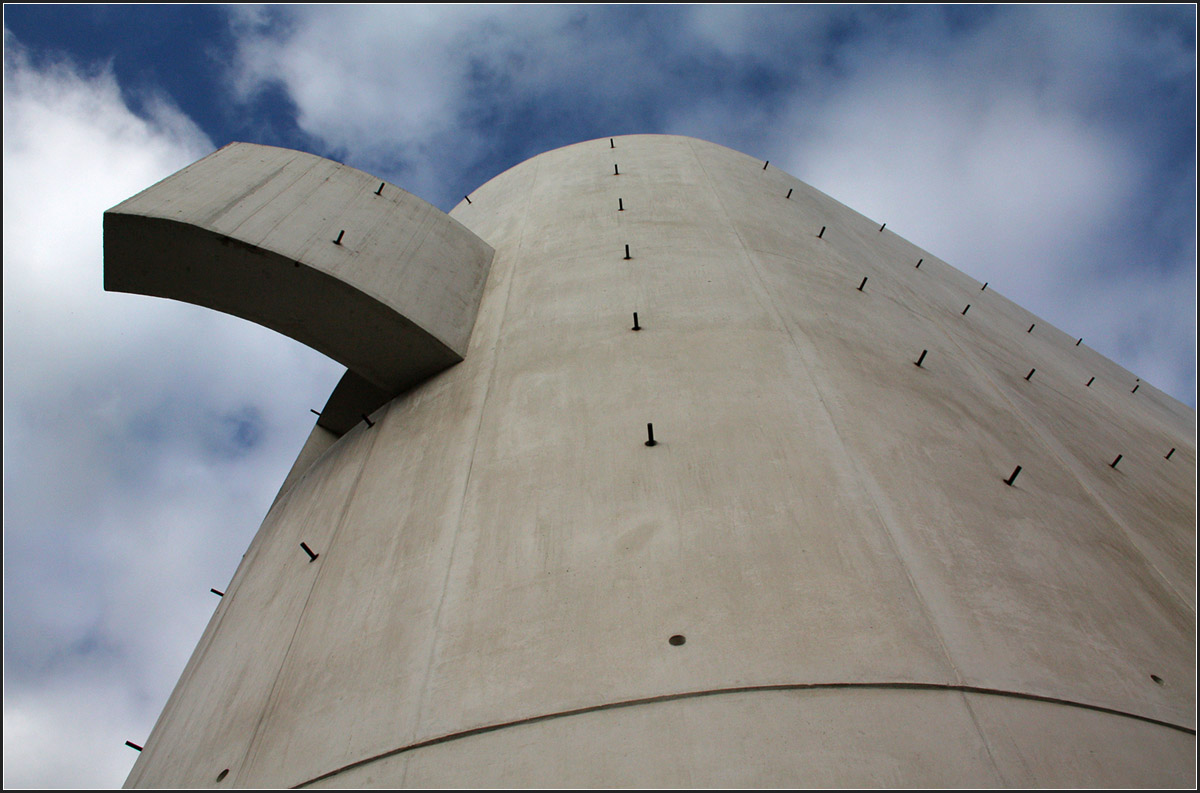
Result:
pixel 370 275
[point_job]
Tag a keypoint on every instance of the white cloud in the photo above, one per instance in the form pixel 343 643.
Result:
pixel 996 156
pixel 377 82
pixel 126 496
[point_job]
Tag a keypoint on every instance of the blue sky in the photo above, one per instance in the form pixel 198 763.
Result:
pixel 1047 150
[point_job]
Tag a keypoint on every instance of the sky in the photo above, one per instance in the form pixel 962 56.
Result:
pixel 1047 150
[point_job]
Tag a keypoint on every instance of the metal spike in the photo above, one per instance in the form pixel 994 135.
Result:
pixel 650 435
pixel 864 283
pixel 1013 478
pixel 922 357
pixel 311 556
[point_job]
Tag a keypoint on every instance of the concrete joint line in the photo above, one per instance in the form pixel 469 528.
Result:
pixel 272 700
pixel 740 690
pixel 880 505
pixel 466 480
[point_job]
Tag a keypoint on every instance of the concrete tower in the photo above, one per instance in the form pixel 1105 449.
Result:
pixel 892 528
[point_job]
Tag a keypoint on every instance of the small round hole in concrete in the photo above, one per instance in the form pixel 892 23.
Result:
pixel 1156 679
pixel 223 774
pixel 676 640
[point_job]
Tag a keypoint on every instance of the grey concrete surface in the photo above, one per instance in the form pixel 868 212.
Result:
pixel 502 558
pixel 370 275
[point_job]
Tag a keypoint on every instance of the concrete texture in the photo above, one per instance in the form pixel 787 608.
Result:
pixel 370 275
pixel 865 601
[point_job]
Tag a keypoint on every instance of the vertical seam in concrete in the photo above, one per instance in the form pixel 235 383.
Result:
pixel 269 706
pixel 997 767
pixel 872 487
pixel 466 485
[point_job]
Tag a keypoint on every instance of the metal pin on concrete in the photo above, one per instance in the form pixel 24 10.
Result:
pixel 311 556
pixel 922 357
pixel 965 310
pixel 627 256
pixel 1089 382
pixel 611 145
pixel 380 190
pixel 821 233
pixel 317 412
pixel 468 198
pixel 216 592
pixel 367 419
pixel 620 205
pixel 1031 371
pixel 864 283
pixel 1013 478
pixel 1079 342
pixel 1031 328
pixel 636 326
pixel 1113 464
pixel 615 171
pixel 919 263
pixel 1135 388
pixel 650 435
pixel 985 283
pixel 133 745
pixel 338 241
pixel 789 195
pixel 1168 457
pixel 765 164
pixel 881 228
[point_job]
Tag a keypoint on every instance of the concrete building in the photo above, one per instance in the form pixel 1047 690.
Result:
pixel 893 529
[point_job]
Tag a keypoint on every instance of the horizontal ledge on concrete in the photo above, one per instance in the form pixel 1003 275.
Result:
pixel 740 690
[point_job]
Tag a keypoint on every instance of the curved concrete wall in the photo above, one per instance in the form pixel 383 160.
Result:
pixel 503 561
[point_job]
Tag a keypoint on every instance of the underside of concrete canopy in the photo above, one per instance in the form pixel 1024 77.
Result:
pixel 356 268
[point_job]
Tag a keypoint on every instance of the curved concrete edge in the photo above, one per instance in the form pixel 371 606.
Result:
pixel 1056 741
pixel 370 275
